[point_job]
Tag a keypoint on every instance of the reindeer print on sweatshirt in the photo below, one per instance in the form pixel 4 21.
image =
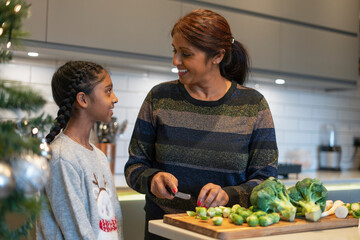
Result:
pixel 108 222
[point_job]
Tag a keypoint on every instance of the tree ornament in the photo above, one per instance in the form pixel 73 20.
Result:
pixel 45 150
pixel 31 172
pixel 7 183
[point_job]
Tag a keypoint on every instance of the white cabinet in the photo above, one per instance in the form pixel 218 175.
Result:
pixel 336 14
pixel 133 26
pixel 319 53
pixel 312 40
pixel 35 24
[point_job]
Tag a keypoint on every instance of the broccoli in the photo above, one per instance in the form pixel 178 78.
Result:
pixel 271 196
pixel 309 196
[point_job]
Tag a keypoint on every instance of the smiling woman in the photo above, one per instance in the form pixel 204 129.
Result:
pixel 204 134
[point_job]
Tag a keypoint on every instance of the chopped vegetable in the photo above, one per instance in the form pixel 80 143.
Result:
pixel 271 196
pixel 329 204
pixel 275 217
pixel 211 212
pixel 309 197
pixel 217 221
pixel 260 213
pixel 341 212
pixel 252 220
pixel 204 217
pixel 226 212
pixel 237 219
pixel 265 221
pixel 356 214
pixel 331 211
pixel 235 207
pixel 190 213
pixel 355 206
pixel 244 213
pixel 218 211
pixel 201 211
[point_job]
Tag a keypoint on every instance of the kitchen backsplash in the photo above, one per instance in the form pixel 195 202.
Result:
pixel 298 113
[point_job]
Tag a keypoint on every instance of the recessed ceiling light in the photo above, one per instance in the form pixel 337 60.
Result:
pixel 33 54
pixel 174 70
pixel 280 81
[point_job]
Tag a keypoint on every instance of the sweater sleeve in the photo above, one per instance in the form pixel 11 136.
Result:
pixel 67 200
pixel 139 167
pixel 263 157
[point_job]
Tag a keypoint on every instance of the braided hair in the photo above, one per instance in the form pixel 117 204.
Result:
pixel 71 78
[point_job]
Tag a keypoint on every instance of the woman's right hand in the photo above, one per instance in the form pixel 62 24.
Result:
pixel 159 182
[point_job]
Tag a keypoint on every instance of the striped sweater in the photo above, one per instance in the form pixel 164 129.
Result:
pixel 229 142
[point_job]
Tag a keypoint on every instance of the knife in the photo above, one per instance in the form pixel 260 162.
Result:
pixel 181 195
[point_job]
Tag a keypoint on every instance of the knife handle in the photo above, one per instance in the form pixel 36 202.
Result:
pixel 169 190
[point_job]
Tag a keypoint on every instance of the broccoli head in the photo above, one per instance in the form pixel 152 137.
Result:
pixel 271 196
pixel 309 196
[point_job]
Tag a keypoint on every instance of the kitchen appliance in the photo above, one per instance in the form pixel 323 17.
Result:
pixel 328 152
pixel 284 169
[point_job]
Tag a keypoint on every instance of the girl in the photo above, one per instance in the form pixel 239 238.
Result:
pixel 205 133
pixel 83 202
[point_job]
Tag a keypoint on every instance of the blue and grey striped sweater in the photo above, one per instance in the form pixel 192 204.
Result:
pixel 230 142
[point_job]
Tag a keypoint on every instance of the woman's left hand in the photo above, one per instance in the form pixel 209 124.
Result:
pixel 212 195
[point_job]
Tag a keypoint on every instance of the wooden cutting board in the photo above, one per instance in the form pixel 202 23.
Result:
pixel 231 231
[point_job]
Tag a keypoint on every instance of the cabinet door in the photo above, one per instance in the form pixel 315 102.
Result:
pixel 259 36
pixel 336 14
pixel 35 24
pixel 318 53
pixel 134 26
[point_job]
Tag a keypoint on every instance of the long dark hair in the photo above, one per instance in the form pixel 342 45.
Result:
pixel 71 78
pixel 210 32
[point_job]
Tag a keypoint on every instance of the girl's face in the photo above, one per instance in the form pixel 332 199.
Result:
pixel 102 100
pixel 191 62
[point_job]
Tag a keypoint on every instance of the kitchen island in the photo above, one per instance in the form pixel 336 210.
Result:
pixel 343 185
pixel 175 233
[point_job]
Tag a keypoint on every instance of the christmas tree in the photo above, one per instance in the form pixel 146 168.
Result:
pixel 23 155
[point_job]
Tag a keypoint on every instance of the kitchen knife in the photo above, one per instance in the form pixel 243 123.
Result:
pixel 178 194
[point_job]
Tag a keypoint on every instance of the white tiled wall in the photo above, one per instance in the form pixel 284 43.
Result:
pixel 298 113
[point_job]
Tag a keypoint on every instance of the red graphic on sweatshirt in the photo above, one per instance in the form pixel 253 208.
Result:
pixel 108 225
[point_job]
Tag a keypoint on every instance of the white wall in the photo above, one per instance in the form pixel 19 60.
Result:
pixel 298 113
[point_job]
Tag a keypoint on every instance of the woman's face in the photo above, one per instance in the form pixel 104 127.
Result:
pixel 191 62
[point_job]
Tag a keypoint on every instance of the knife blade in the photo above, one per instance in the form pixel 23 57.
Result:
pixel 178 194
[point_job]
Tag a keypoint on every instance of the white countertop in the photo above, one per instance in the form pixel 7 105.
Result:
pixel 175 233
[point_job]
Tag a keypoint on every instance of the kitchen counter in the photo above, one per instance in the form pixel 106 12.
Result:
pixel 333 181
pixel 175 233
pixel 343 185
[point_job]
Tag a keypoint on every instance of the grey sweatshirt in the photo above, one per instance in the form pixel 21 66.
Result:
pixel 83 203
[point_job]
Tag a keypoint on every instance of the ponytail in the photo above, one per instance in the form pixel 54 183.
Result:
pixel 238 64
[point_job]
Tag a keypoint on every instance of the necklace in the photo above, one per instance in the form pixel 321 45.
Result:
pixel 73 138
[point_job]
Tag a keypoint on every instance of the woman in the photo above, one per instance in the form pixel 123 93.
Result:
pixel 204 134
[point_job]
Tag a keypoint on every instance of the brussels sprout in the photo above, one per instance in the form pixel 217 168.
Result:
pixel 204 217
pixel 260 213
pixel 244 213
pixel 218 211
pixel 274 216
pixel 217 221
pixel 265 221
pixel 211 212
pixel 190 213
pixel 252 220
pixel 235 207
pixel 237 219
pixel 201 211
pixel 226 212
